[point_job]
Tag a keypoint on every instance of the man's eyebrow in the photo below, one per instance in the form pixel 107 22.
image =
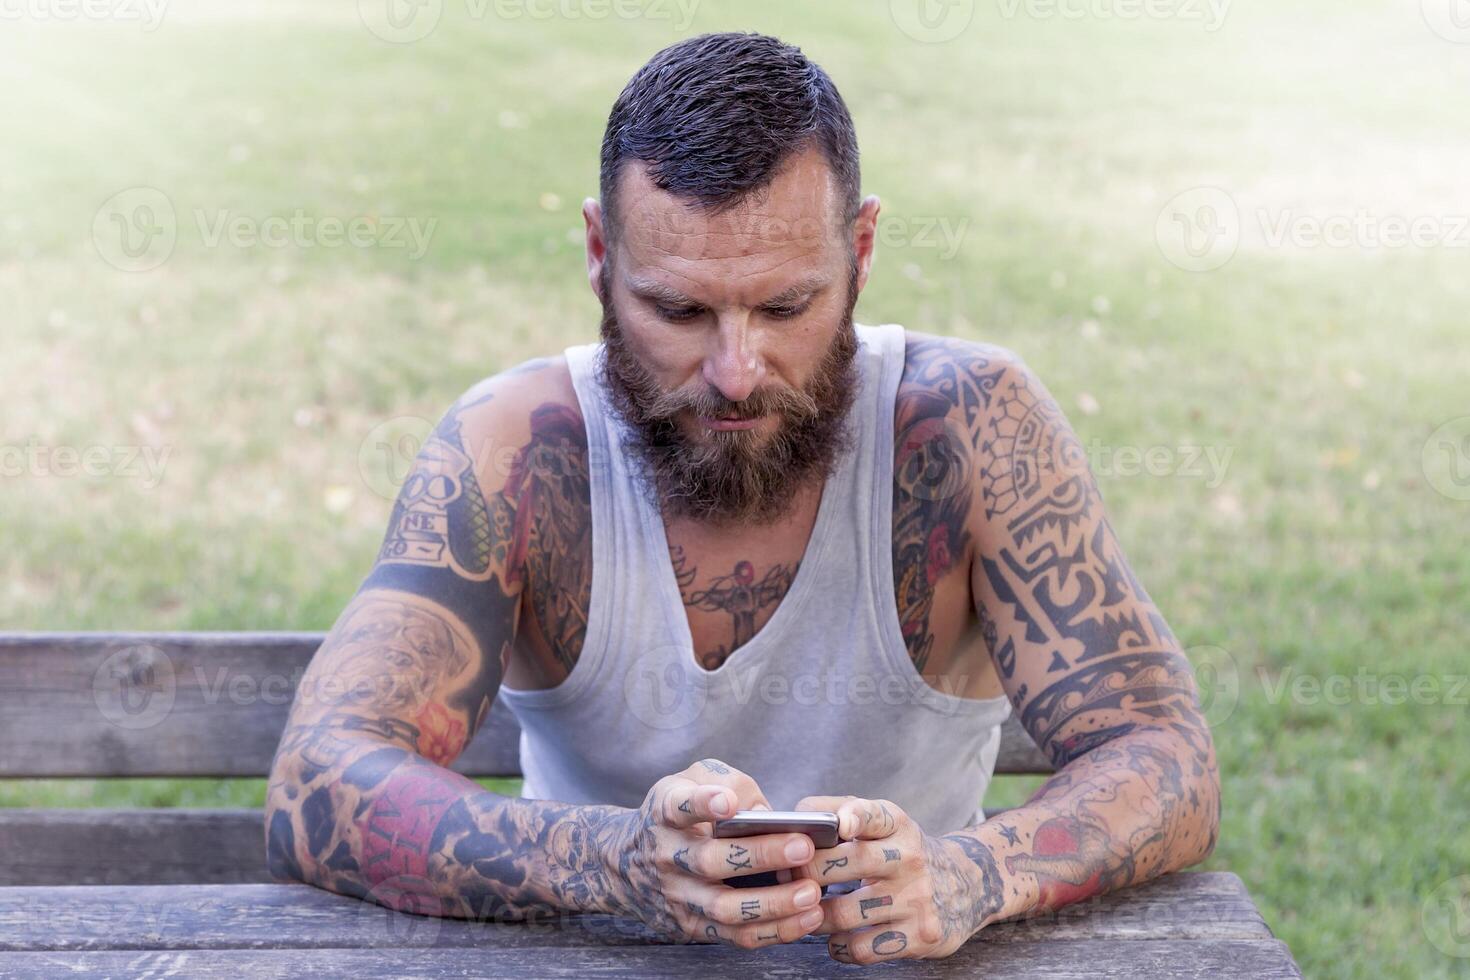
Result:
pixel 808 286
pixel 652 289
pixel 655 290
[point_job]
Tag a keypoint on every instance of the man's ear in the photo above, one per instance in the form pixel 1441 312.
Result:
pixel 596 244
pixel 865 236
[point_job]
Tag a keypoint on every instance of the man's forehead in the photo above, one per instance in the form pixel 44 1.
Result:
pixel 796 214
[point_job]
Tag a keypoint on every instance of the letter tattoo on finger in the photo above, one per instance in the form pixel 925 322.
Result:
pixel 739 857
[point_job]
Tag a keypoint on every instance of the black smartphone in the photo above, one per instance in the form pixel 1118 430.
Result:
pixel 820 826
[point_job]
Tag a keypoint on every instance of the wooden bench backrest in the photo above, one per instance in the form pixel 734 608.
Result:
pixel 204 704
pixel 181 704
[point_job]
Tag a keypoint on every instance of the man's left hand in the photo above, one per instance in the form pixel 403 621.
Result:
pixel 920 896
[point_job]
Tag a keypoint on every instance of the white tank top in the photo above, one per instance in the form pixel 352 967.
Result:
pixel 824 699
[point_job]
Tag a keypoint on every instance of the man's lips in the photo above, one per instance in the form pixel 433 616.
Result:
pixel 728 424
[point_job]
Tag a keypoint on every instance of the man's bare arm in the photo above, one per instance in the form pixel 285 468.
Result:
pixel 359 801
pixel 1093 670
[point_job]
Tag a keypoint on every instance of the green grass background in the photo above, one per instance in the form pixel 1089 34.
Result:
pixel 1324 550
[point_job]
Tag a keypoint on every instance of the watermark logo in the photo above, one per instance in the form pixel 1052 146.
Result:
pixel 403 912
pixel 1450 19
pixel 386 456
pixel 932 21
pixel 149 13
pixel 136 229
pixel 1362 229
pixel 1445 917
pixel 134 688
pixel 1219 682
pixel 302 230
pixel 663 690
pixel 400 21
pixel 1210 13
pixel 40 461
pixel 1365 687
pixel 1199 230
pixel 1446 458
pixel 680 12
pixel 407 21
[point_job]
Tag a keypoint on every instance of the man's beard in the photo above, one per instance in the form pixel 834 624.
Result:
pixel 730 476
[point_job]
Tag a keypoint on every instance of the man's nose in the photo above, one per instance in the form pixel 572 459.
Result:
pixel 734 366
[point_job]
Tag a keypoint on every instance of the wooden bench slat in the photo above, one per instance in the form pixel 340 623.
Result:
pixel 131 847
pixel 1191 905
pixel 1061 960
pixel 205 704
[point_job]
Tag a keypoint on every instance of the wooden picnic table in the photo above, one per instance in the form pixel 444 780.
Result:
pixel 184 892
pixel 1185 925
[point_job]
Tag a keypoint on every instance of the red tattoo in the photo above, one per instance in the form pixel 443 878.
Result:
pixel 1069 860
pixel 441 734
pixel 399 826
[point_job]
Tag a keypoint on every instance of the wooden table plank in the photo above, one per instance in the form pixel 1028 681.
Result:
pixel 1204 905
pixel 1059 960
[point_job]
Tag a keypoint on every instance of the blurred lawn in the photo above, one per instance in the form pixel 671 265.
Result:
pixel 1054 144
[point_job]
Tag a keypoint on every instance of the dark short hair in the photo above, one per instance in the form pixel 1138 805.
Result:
pixel 714 117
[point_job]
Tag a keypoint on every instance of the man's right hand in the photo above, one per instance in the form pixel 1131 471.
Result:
pixel 674 868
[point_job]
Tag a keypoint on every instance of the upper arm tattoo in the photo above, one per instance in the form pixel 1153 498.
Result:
pixel 1100 659
pixel 474 553
pixel 932 474
pixel 550 497
pixel 1078 643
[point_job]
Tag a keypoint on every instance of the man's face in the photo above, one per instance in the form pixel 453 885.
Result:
pixel 730 339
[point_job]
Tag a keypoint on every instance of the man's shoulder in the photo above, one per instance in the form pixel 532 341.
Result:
pixel 954 377
pixel 508 416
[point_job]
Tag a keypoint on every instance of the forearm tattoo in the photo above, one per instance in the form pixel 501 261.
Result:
pixel 381 823
pixel 968 890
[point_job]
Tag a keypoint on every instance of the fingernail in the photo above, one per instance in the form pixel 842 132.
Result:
pixel 812 919
pixel 807 895
pixel 796 851
pixel 720 804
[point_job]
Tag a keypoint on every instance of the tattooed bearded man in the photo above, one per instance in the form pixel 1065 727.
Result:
pixel 746 553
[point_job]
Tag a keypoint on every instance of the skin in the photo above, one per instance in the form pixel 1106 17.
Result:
pixel 1007 578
